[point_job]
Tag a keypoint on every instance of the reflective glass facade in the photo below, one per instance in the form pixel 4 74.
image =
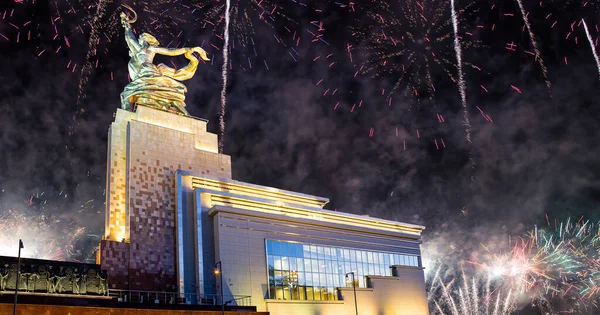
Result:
pixel 312 272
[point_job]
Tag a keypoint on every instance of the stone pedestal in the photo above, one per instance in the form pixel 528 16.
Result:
pixel 145 149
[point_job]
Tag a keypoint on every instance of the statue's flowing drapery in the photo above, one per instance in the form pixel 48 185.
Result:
pixel 150 87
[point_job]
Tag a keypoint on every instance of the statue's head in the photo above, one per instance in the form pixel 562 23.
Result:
pixel 147 38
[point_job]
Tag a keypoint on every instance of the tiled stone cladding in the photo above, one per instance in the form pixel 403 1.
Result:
pixel 115 260
pixel 157 144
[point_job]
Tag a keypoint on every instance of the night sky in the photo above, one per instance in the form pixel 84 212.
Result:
pixel 535 153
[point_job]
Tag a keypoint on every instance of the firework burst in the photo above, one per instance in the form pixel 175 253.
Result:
pixel 49 233
pixel 555 269
pixel 414 44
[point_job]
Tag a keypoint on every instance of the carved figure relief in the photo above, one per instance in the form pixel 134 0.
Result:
pixel 53 278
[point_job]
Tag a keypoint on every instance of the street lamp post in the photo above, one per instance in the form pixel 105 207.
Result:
pixel 18 273
pixel 354 289
pixel 219 272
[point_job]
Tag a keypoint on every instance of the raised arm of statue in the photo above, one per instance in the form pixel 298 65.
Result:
pixel 169 51
pixel 130 39
pixel 180 51
pixel 188 71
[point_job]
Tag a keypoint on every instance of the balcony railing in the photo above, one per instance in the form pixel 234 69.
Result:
pixel 155 297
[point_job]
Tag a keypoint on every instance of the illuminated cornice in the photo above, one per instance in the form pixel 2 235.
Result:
pixel 257 191
pixel 231 193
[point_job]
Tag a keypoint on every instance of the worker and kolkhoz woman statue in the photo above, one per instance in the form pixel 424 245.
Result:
pixel 156 86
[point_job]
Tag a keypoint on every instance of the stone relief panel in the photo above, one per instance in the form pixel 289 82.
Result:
pixel 52 277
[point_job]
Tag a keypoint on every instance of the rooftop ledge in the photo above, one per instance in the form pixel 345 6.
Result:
pixel 237 194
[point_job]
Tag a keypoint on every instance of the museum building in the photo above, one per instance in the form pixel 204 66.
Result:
pixel 176 221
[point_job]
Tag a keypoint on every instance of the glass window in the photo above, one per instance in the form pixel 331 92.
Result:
pixel 347 267
pixel 317 293
pixel 302 293
pixel 327 252
pixel 316 281
pixel 284 249
pixel 270 261
pixel 300 264
pixel 292 263
pixel 313 272
pixel 306 251
pixel 308 279
pixel 301 279
pixel 329 266
pixel 285 264
pixel 322 266
pixel 276 248
pixel 286 293
pixel 299 251
pixel 320 252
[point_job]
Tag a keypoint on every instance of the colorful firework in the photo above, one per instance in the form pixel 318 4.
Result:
pixel 84 31
pixel 48 231
pixel 414 44
pixel 413 47
pixel 467 296
pixel 555 269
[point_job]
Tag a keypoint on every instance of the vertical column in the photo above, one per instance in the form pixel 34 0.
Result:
pixel 116 206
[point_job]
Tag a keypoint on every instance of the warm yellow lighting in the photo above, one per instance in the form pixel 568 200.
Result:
pixel 217 272
pixel 264 192
pixel 274 201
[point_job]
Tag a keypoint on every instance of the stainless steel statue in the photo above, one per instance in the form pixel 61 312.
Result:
pixel 153 85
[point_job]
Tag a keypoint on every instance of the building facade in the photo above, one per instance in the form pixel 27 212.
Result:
pixel 174 212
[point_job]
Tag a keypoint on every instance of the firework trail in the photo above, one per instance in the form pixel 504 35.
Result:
pixel 224 76
pixel 92 46
pixel 461 296
pixel 462 88
pixel 461 81
pixel 538 55
pixel 589 37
